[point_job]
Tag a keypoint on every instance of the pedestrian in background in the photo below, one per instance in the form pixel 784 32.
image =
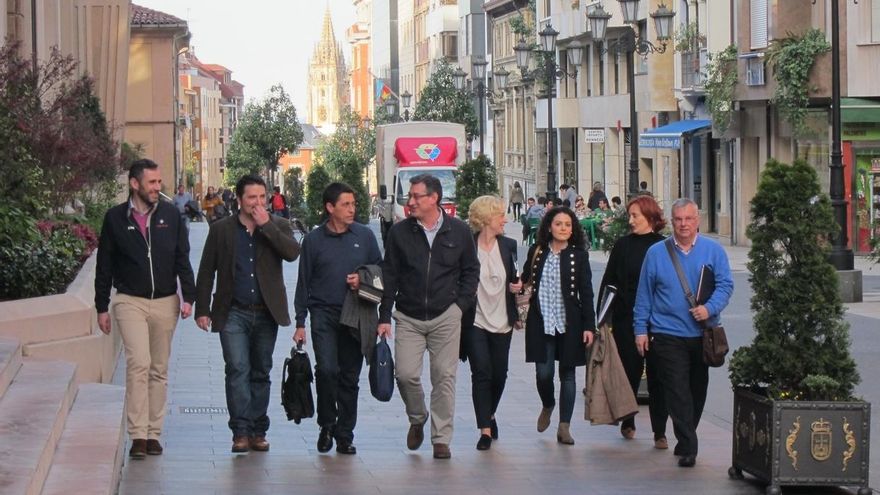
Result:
pixel 250 302
pixel 143 252
pixel 676 337
pixel 595 195
pixel 622 272
pixel 561 320
pixel 331 254
pixel 487 328
pixel 430 274
pixel 278 203
pixel 517 198
pixel 209 202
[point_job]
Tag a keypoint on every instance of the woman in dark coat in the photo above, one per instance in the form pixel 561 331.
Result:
pixel 561 321
pixel 624 266
pixel 487 327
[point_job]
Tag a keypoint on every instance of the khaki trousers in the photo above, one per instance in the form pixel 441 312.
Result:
pixel 441 338
pixel 146 326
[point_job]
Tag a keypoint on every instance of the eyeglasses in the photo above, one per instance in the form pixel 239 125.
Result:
pixel 418 196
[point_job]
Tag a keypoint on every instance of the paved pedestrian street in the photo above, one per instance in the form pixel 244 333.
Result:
pixel 197 458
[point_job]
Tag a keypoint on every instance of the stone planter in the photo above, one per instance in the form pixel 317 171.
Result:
pixel 803 443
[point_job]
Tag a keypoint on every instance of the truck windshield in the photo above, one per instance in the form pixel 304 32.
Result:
pixel 447 181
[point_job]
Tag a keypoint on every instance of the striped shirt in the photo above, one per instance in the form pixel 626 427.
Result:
pixel 550 295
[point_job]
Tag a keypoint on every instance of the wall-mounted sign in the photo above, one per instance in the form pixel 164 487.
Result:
pixel 594 135
pixel 649 141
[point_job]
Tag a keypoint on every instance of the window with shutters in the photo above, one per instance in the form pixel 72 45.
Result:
pixel 758 24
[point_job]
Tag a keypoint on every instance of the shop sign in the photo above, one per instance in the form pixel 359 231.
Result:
pixel 594 135
pixel 649 141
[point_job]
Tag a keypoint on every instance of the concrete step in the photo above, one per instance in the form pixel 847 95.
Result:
pixel 89 456
pixel 10 362
pixel 95 355
pixel 32 415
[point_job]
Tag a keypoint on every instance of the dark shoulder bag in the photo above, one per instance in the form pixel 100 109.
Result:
pixel 714 339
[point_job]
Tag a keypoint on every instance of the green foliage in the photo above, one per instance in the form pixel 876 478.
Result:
pixel 689 38
pixel 441 102
pixel 42 260
pixel 721 79
pixel 473 179
pixel 874 255
pixel 617 228
pixel 295 187
pixel 346 155
pixel 801 345
pixel 317 180
pixel 523 24
pixel 792 59
pixel 268 128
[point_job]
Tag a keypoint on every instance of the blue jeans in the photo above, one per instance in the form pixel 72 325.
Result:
pixel 544 377
pixel 248 340
pixel 338 362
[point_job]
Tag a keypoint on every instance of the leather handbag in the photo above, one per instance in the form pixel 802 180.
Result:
pixel 525 295
pixel 382 372
pixel 715 346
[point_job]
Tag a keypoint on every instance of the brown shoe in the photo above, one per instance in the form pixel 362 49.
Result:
pixel 441 451
pixel 260 444
pixel 138 449
pixel 154 447
pixel 661 443
pixel 544 418
pixel 241 443
pixel 628 433
pixel 563 434
pixel 415 436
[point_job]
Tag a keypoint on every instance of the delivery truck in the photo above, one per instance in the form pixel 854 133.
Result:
pixel 407 149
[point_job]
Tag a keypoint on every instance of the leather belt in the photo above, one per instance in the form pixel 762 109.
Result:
pixel 249 307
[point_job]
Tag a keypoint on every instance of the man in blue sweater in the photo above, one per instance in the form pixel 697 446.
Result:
pixel 676 329
pixel 331 254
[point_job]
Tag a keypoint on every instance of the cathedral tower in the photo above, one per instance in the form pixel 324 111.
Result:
pixel 328 80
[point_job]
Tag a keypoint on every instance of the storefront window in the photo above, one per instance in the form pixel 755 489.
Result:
pixel 597 160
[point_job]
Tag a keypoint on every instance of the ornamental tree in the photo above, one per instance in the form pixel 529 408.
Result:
pixel 439 101
pixel 267 130
pixel 473 179
pixel 801 345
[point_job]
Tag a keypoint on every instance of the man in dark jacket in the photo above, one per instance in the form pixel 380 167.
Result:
pixel 143 252
pixel 245 252
pixel 331 254
pixel 430 272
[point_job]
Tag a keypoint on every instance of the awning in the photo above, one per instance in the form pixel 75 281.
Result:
pixel 859 110
pixel 669 136
pixel 425 151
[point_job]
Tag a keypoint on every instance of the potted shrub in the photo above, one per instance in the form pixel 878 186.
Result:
pixel 795 420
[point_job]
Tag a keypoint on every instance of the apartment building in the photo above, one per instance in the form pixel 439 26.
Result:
pixel 359 36
pixel 203 147
pixel 384 47
pixel 157 40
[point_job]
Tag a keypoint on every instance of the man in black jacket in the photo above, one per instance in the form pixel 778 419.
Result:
pixel 250 302
pixel 430 272
pixel 143 252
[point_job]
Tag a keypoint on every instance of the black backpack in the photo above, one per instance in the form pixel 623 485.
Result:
pixel 296 385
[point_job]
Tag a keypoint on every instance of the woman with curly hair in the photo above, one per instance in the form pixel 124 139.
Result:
pixel 560 321
pixel 623 270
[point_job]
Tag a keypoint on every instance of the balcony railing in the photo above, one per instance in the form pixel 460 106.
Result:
pixel 693 68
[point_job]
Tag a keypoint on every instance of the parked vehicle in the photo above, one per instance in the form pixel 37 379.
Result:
pixel 407 149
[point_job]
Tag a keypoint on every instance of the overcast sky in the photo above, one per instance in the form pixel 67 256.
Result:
pixel 263 42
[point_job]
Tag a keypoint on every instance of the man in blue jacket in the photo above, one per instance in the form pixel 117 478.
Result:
pixel 430 272
pixel 143 252
pixel 676 329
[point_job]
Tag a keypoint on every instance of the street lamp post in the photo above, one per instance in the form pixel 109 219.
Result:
pixel 631 43
pixel 550 74
pixel 841 255
pixel 480 90
pixel 405 99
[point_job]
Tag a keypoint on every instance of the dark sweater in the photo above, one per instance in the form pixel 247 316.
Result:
pixel 325 261
pixel 622 271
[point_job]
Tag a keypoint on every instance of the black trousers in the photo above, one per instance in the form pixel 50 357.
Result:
pixel 338 362
pixel 685 380
pixel 633 365
pixel 489 355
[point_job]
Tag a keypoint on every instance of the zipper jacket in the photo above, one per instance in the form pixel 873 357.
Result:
pixel 424 280
pixel 143 266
